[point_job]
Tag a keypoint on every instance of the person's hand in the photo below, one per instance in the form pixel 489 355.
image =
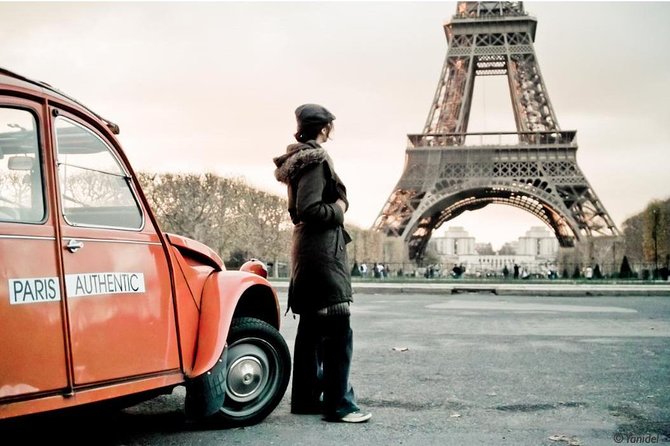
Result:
pixel 340 202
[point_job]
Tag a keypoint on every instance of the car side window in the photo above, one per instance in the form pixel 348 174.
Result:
pixel 95 189
pixel 21 188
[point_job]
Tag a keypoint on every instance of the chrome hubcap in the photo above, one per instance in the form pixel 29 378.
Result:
pixel 248 373
pixel 244 377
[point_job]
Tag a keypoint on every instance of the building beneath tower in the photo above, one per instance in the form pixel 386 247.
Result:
pixel 534 254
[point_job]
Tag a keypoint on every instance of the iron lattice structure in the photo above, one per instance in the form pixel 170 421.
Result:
pixel 448 171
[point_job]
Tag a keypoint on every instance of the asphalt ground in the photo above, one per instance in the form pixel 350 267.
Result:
pixel 559 288
pixel 471 368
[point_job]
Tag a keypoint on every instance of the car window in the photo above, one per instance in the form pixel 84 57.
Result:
pixel 21 190
pixel 95 190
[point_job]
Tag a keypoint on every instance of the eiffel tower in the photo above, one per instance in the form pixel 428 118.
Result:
pixel 449 171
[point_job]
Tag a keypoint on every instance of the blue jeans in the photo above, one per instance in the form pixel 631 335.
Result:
pixel 321 365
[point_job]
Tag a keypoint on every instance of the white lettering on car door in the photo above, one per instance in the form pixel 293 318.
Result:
pixel 34 290
pixel 47 289
pixel 92 284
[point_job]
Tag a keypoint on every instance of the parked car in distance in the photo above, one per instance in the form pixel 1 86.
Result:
pixel 96 303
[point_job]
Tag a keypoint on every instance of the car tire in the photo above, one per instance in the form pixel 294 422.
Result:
pixel 257 372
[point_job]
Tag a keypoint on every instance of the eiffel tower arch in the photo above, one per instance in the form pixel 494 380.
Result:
pixel 448 170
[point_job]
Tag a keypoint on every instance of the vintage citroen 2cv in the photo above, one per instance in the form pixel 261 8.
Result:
pixel 96 303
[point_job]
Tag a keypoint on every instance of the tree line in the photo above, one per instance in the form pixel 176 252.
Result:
pixel 234 219
pixel 647 239
pixel 238 221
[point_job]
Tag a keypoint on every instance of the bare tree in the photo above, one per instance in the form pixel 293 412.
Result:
pixel 15 187
pixel 632 231
pixel 655 235
pixel 225 213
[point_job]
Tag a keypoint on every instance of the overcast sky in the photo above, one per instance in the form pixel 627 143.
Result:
pixel 212 87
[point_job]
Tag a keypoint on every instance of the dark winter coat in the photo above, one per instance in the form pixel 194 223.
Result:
pixel 320 276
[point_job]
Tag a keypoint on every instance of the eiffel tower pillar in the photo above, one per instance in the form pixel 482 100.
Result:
pixel 448 171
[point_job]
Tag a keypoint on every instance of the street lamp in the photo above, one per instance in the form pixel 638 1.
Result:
pixel 654 234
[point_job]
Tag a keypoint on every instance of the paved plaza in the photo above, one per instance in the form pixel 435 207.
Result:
pixel 509 287
pixel 469 368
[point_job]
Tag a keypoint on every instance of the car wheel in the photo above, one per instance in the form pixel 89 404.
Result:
pixel 257 372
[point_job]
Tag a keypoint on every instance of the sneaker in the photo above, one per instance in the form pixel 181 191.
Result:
pixel 355 417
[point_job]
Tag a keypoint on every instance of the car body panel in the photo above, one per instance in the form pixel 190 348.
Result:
pixel 221 295
pixel 49 402
pixel 32 289
pixel 120 311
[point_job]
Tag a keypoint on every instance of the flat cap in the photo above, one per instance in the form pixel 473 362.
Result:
pixel 308 114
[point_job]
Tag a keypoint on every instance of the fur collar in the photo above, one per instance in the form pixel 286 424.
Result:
pixel 297 158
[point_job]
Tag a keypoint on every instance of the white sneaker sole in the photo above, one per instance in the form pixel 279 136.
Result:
pixel 351 418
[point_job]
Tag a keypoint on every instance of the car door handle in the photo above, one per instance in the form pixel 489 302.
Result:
pixel 74 245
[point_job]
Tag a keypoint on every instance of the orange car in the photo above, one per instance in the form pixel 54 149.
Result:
pixel 96 303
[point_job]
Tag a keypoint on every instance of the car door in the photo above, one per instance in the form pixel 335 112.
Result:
pixel 33 358
pixel 117 281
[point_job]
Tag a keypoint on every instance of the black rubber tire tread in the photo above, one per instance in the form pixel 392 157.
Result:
pixel 246 327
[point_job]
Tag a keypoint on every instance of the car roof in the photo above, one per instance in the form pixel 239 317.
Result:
pixel 8 77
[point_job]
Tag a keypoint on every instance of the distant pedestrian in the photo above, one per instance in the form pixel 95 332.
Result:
pixel 377 271
pixel 516 271
pixel 588 272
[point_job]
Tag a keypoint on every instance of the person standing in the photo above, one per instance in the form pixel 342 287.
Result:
pixel 320 285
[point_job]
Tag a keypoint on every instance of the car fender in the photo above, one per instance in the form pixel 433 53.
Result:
pixel 229 294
